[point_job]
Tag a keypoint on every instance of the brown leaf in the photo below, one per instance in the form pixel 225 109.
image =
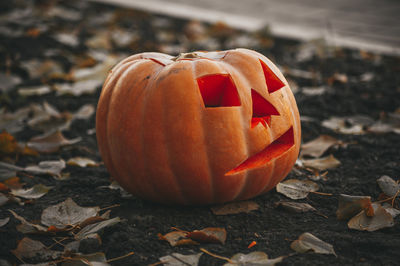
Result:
pixel 50 143
pixel 28 248
pixel 308 242
pixel 177 238
pixel 295 206
pixel 317 147
pixel 95 259
pixel 296 189
pixel 28 227
pixel 35 192
pixel 235 208
pixel 208 235
pixel 388 185
pixel 321 164
pixel 176 259
pixel 8 144
pixel 380 219
pixel 67 213
pixel 81 162
pixel 351 205
pixel 254 258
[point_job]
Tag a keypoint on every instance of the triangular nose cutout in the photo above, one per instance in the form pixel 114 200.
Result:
pixel 272 80
pixel 262 110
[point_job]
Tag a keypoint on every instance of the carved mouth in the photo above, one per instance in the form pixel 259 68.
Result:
pixel 272 151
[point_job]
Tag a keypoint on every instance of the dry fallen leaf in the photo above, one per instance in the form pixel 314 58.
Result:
pixel 380 219
pixel 321 164
pixel 3 199
pixel 208 235
pixel 4 221
pixel 85 112
pixel 352 205
pixel 393 211
pixel 317 147
pixel 28 248
pixel 8 144
pixel 28 227
pixel 81 162
pixel 35 192
pixel 177 238
pixel 388 186
pixel 34 90
pixel 78 88
pixel 8 170
pixel 254 258
pixel 53 168
pixel 95 259
pixel 13 122
pixel 67 213
pixel 296 189
pixel 295 206
pixel 348 125
pixel 176 259
pixel 92 229
pixel 307 242
pixel 50 143
pixel 235 208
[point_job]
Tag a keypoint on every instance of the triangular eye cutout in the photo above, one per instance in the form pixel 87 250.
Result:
pixel 273 82
pixel 218 90
pixel 262 110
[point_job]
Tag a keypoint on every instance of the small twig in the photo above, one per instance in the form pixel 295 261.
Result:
pixel 217 256
pixel 395 196
pixel 321 193
pixel 109 207
pixel 121 257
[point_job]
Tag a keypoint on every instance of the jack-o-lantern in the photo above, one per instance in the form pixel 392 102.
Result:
pixel 200 128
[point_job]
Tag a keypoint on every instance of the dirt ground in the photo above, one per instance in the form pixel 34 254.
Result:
pixel 328 82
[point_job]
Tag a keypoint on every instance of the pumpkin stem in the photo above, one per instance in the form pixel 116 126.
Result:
pixel 185 56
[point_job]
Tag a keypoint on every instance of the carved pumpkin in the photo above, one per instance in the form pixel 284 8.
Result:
pixel 200 128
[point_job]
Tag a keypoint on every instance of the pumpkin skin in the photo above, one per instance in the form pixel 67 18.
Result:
pixel 200 128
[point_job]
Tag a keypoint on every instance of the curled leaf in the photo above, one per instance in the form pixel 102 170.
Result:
pixel 296 189
pixel 53 168
pixel 380 219
pixel 317 147
pixel 177 238
pixel 254 258
pixel 208 235
pixel 96 227
pixel 176 259
pixel 295 206
pixel 321 164
pixel 308 241
pixel 351 205
pixel 81 162
pixel 50 143
pixel 35 192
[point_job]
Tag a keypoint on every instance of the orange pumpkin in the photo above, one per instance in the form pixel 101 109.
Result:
pixel 200 128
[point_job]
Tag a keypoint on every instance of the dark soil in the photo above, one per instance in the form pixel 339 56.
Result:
pixel 368 157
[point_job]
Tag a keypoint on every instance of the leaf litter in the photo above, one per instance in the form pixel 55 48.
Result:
pixel 206 235
pixel 296 189
pixel 308 241
pixel 177 259
pixel 51 142
pixel 235 208
pixel 317 147
pixel 364 222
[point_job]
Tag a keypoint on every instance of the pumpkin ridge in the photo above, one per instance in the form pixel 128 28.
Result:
pixel 108 88
pixel 132 67
pixel 151 189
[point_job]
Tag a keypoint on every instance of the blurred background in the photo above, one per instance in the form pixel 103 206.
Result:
pixel 367 24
